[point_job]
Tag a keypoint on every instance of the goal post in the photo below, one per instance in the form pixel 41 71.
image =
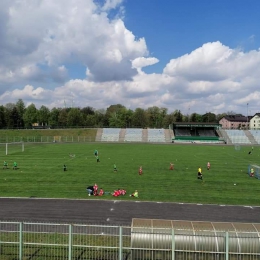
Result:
pixel 237 147
pixel 14 147
pixel 255 169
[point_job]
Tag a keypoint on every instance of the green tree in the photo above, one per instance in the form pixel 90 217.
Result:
pixel 43 115
pixel 195 117
pixel 62 120
pixel 178 116
pixel 209 118
pixel 30 116
pixel 169 119
pixel 156 116
pixel 99 118
pixel 21 109
pixel 2 117
pixel 140 118
pixel 8 115
pixel 74 117
pixel 87 115
pixel 113 112
pixel 15 118
pixel 54 117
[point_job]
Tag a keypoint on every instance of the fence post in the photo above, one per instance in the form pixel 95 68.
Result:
pixel 20 240
pixel 70 242
pixel 173 245
pixel 227 245
pixel 120 243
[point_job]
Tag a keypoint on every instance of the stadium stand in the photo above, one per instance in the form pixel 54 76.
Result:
pixel 156 135
pixel 182 132
pixel 256 135
pixel 133 135
pixel 237 136
pixel 110 134
pixel 205 132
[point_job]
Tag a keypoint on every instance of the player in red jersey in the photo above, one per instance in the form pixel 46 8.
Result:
pixel 171 166
pixel 140 170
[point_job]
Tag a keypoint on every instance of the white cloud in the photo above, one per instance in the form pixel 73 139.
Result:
pixel 51 33
pixel 111 4
pixel 41 41
pixel 141 62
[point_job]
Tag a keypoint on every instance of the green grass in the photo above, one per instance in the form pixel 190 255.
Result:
pixel 41 173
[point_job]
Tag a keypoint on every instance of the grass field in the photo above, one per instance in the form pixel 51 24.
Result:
pixel 40 172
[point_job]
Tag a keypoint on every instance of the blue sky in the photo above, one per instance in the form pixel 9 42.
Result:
pixel 195 56
pixel 173 28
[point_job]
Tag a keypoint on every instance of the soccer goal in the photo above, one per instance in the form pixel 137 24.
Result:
pixel 237 147
pixel 256 170
pixel 11 148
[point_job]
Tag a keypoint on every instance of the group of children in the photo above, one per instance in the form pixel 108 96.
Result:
pixel 15 166
pixel 93 190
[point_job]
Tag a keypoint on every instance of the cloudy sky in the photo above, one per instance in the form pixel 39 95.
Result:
pixel 197 56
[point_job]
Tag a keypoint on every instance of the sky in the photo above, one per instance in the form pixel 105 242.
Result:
pixel 192 55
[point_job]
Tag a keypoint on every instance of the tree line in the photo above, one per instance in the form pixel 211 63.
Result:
pixel 18 116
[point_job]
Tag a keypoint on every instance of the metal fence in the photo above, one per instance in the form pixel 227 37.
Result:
pixel 46 139
pixel 49 241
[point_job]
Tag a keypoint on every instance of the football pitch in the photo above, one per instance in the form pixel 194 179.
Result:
pixel 40 172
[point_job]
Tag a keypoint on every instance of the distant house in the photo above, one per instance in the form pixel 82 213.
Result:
pixel 235 121
pixel 255 121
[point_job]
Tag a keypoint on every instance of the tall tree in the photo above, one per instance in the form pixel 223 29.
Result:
pixel 195 117
pixel 74 117
pixel 21 109
pixel 168 120
pixel 30 116
pixel 15 118
pixel 113 111
pixel 99 118
pixel 54 117
pixel 43 115
pixel 140 118
pixel 178 115
pixel 209 118
pixel 156 116
pixel 2 117
pixel 8 115
pixel 87 112
pixel 63 117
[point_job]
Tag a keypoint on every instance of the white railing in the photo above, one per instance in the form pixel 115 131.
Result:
pixel 49 241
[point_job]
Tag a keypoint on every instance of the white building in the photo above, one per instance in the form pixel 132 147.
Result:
pixel 255 122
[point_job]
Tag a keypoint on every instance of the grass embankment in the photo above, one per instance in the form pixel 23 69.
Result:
pixel 41 173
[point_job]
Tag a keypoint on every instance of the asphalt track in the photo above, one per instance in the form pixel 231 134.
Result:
pixel 118 213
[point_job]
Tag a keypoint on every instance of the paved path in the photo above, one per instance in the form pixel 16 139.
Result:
pixel 118 212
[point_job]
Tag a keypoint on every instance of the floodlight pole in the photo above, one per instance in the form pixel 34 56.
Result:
pixel 247 116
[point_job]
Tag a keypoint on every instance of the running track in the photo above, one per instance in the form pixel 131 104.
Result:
pixel 116 212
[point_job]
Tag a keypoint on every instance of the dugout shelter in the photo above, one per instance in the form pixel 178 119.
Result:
pixel 181 239
pixel 196 132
